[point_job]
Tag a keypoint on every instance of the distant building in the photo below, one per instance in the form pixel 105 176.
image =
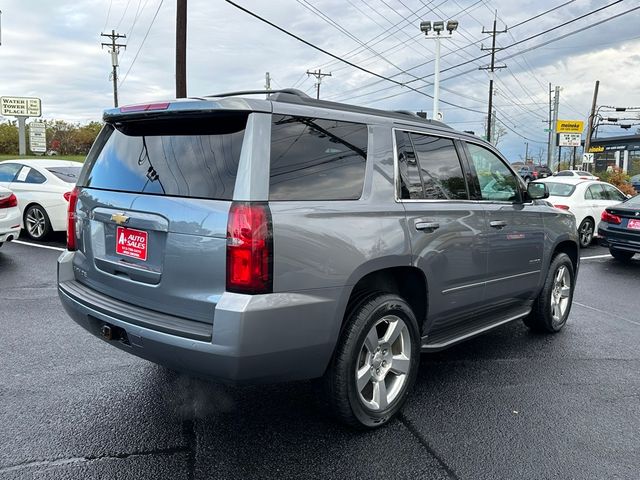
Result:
pixel 622 152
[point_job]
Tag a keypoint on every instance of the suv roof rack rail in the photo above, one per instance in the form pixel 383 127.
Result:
pixel 274 93
pixel 293 95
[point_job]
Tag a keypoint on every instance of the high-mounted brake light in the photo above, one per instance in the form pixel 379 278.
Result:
pixel 71 219
pixel 146 107
pixel 610 218
pixel 249 248
pixel 8 202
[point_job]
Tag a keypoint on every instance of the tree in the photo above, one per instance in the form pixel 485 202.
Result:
pixel 498 134
pixel 9 137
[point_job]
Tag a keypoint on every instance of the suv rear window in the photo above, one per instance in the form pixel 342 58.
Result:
pixel 185 157
pixel 316 159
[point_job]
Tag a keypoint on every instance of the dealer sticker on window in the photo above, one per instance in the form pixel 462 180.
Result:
pixel 131 243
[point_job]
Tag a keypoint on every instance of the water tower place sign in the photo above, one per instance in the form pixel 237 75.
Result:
pixel 20 107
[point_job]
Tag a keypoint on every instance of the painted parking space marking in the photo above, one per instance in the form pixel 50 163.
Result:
pixel 38 246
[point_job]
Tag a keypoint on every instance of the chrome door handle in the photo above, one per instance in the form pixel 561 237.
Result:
pixel 498 224
pixel 430 226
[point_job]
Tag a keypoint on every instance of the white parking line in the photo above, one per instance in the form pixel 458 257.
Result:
pixel 595 256
pixel 38 246
pixel 606 314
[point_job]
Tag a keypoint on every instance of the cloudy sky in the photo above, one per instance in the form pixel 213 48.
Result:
pixel 51 50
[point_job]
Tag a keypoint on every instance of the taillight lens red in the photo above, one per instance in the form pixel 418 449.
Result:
pixel 8 202
pixel 249 248
pixel 562 207
pixel 71 218
pixel 610 218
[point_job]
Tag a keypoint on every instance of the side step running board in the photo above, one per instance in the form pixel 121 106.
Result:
pixel 443 340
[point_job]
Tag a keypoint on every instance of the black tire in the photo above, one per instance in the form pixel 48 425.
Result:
pixel 585 232
pixel 541 318
pixel 621 255
pixel 36 222
pixel 374 314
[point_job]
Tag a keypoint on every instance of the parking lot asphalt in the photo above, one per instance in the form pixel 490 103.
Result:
pixel 506 405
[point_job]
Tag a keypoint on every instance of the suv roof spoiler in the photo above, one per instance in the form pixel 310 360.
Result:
pixel 293 95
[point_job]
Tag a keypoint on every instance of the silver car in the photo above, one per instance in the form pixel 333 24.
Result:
pixel 250 240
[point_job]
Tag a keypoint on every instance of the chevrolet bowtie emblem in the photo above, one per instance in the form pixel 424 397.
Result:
pixel 119 218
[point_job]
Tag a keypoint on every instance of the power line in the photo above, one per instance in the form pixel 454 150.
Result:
pixel 141 45
pixel 123 14
pixel 108 14
pixel 326 52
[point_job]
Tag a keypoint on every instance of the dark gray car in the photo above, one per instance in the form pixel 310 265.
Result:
pixel 250 240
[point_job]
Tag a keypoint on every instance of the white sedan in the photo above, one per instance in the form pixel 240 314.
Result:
pixel 576 174
pixel 586 199
pixel 43 188
pixel 9 216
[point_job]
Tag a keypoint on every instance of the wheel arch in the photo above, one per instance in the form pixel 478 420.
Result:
pixel 407 281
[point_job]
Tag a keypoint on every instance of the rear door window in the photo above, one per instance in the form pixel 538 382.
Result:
pixel 30 175
pixel 186 157
pixel 597 192
pixel 316 159
pixel 440 168
pixel 8 171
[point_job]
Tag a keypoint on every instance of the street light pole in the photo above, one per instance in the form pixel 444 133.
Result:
pixel 438 28
pixel 436 82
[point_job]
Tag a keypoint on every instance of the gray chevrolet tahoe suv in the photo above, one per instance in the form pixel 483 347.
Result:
pixel 251 240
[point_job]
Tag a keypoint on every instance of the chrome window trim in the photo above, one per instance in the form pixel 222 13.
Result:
pixel 494 280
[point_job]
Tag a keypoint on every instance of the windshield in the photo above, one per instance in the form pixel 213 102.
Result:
pixel 66 174
pixel 560 189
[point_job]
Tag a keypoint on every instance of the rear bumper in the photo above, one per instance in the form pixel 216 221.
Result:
pixel 259 338
pixel 619 240
pixel 9 224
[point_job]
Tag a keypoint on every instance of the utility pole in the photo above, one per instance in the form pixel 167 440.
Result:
pixel 267 82
pixel 492 68
pixel 556 107
pixel 526 152
pixel 114 50
pixel 587 140
pixel 181 48
pixel 549 129
pixel 318 76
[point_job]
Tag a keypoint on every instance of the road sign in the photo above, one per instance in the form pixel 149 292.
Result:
pixel 569 139
pixel 587 158
pixel 547 129
pixel 20 107
pixel 569 126
pixel 37 137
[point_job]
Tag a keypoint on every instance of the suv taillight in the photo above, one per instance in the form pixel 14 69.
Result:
pixel 8 202
pixel 249 248
pixel 71 219
pixel 610 218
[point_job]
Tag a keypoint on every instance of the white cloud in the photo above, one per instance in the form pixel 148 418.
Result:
pixel 52 50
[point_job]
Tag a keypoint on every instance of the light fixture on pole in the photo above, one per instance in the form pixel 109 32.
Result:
pixel 434 31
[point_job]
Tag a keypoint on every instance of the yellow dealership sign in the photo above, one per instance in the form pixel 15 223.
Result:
pixel 569 126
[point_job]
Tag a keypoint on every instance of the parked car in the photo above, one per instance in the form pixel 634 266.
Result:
pixel 620 229
pixel 635 182
pixel 9 216
pixel 530 173
pixel 251 240
pixel 586 199
pixel 43 188
pixel 581 174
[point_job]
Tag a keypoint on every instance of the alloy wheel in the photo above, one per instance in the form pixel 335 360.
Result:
pixel 586 233
pixel 384 359
pixel 560 294
pixel 36 222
